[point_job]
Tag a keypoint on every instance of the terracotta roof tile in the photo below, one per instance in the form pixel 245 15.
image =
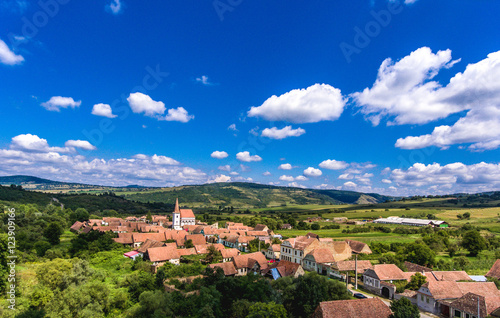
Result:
pixel 495 270
pixel 388 272
pixel 227 267
pixel 343 266
pixel 355 308
pixel 162 254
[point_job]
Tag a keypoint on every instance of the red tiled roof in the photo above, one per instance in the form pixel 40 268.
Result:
pixel 355 308
pixel 76 226
pixel 161 254
pixel 149 244
pixel 285 268
pixel 322 255
pixel 495 270
pixel 229 252
pixel 186 251
pixel 187 213
pixel 198 239
pixel 388 272
pixel 243 261
pixel 452 290
pixel 359 247
pixel 344 266
pixel 227 267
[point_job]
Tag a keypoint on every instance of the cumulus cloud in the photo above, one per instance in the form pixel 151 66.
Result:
pixel 220 178
pixel 267 173
pixel 55 103
pixel 301 178
pixel 103 110
pixel 350 185
pixel 178 114
pixel 232 127
pixel 142 103
pixel 219 154
pixel 115 6
pixel 333 164
pixel 285 166
pixel 405 93
pixel 81 144
pixel 296 185
pixel 7 56
pixel 346 176
pixel 283 133
pixel 286 178
pixel 312 172
pixel 454 177
pixel 316 103
pixel 246 157
pixel 403 90
pixel 31 155
pixel 386 181
pixel 478 90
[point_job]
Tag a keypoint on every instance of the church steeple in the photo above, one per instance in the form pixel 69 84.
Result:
pixel 176 209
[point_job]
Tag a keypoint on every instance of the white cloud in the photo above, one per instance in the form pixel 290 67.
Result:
pixel 246 157
pixel 178 114
pixel 225 168
pixel 333 164
pixel 142 103
pixel 220 178
pixel 285 166
pixel 115 6
pixel 312 172
pixel 219 154
pixel 234 173
pixel 232 127
pixel 285 132
pixel 162 160
pixel 478 90
pixel 7 56
pixel 350 185
pixel 454 177
pixel 286 178
pixel 301 178
pixel 204 80
pixel 403 91
pixel 386 181
pixel 346 176
pixel 55 103
pixel 254 131
pixel 33 143
pixel 316 103
pixel 267 173
pixel 296 185
pixel 82 144
pixel 31 155
pixel 103 110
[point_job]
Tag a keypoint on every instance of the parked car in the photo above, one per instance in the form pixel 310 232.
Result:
pixel 359 295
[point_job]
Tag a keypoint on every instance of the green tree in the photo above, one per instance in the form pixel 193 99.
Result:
pixel 303 295
pixel 421 254
pixel 188 244
pixel 473 242
pixel 41 247
pixel 315 227
pixel 416 281
pixel 81 215
pixel 149 217
pixel 213 255
pixel 403 308
pixel 267 310
pixel 53 233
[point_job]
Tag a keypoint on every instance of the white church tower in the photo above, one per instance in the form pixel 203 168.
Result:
pixel 176 216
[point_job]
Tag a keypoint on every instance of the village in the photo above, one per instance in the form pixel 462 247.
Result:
pixel 444 293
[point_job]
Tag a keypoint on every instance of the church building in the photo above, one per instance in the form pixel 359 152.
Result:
pixel 181 217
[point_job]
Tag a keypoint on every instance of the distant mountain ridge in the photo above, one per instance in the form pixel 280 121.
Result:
pixel 237 194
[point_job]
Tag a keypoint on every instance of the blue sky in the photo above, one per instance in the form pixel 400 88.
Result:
pixel 394 97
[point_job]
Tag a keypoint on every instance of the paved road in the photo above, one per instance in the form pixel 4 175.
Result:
pixel 388 303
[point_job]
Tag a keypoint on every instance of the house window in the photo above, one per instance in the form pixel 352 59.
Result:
pixel 467 316
pixel 458 313
pixel 422 297
pixel 427 299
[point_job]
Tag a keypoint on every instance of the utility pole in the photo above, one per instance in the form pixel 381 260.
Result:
pixel 478 308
